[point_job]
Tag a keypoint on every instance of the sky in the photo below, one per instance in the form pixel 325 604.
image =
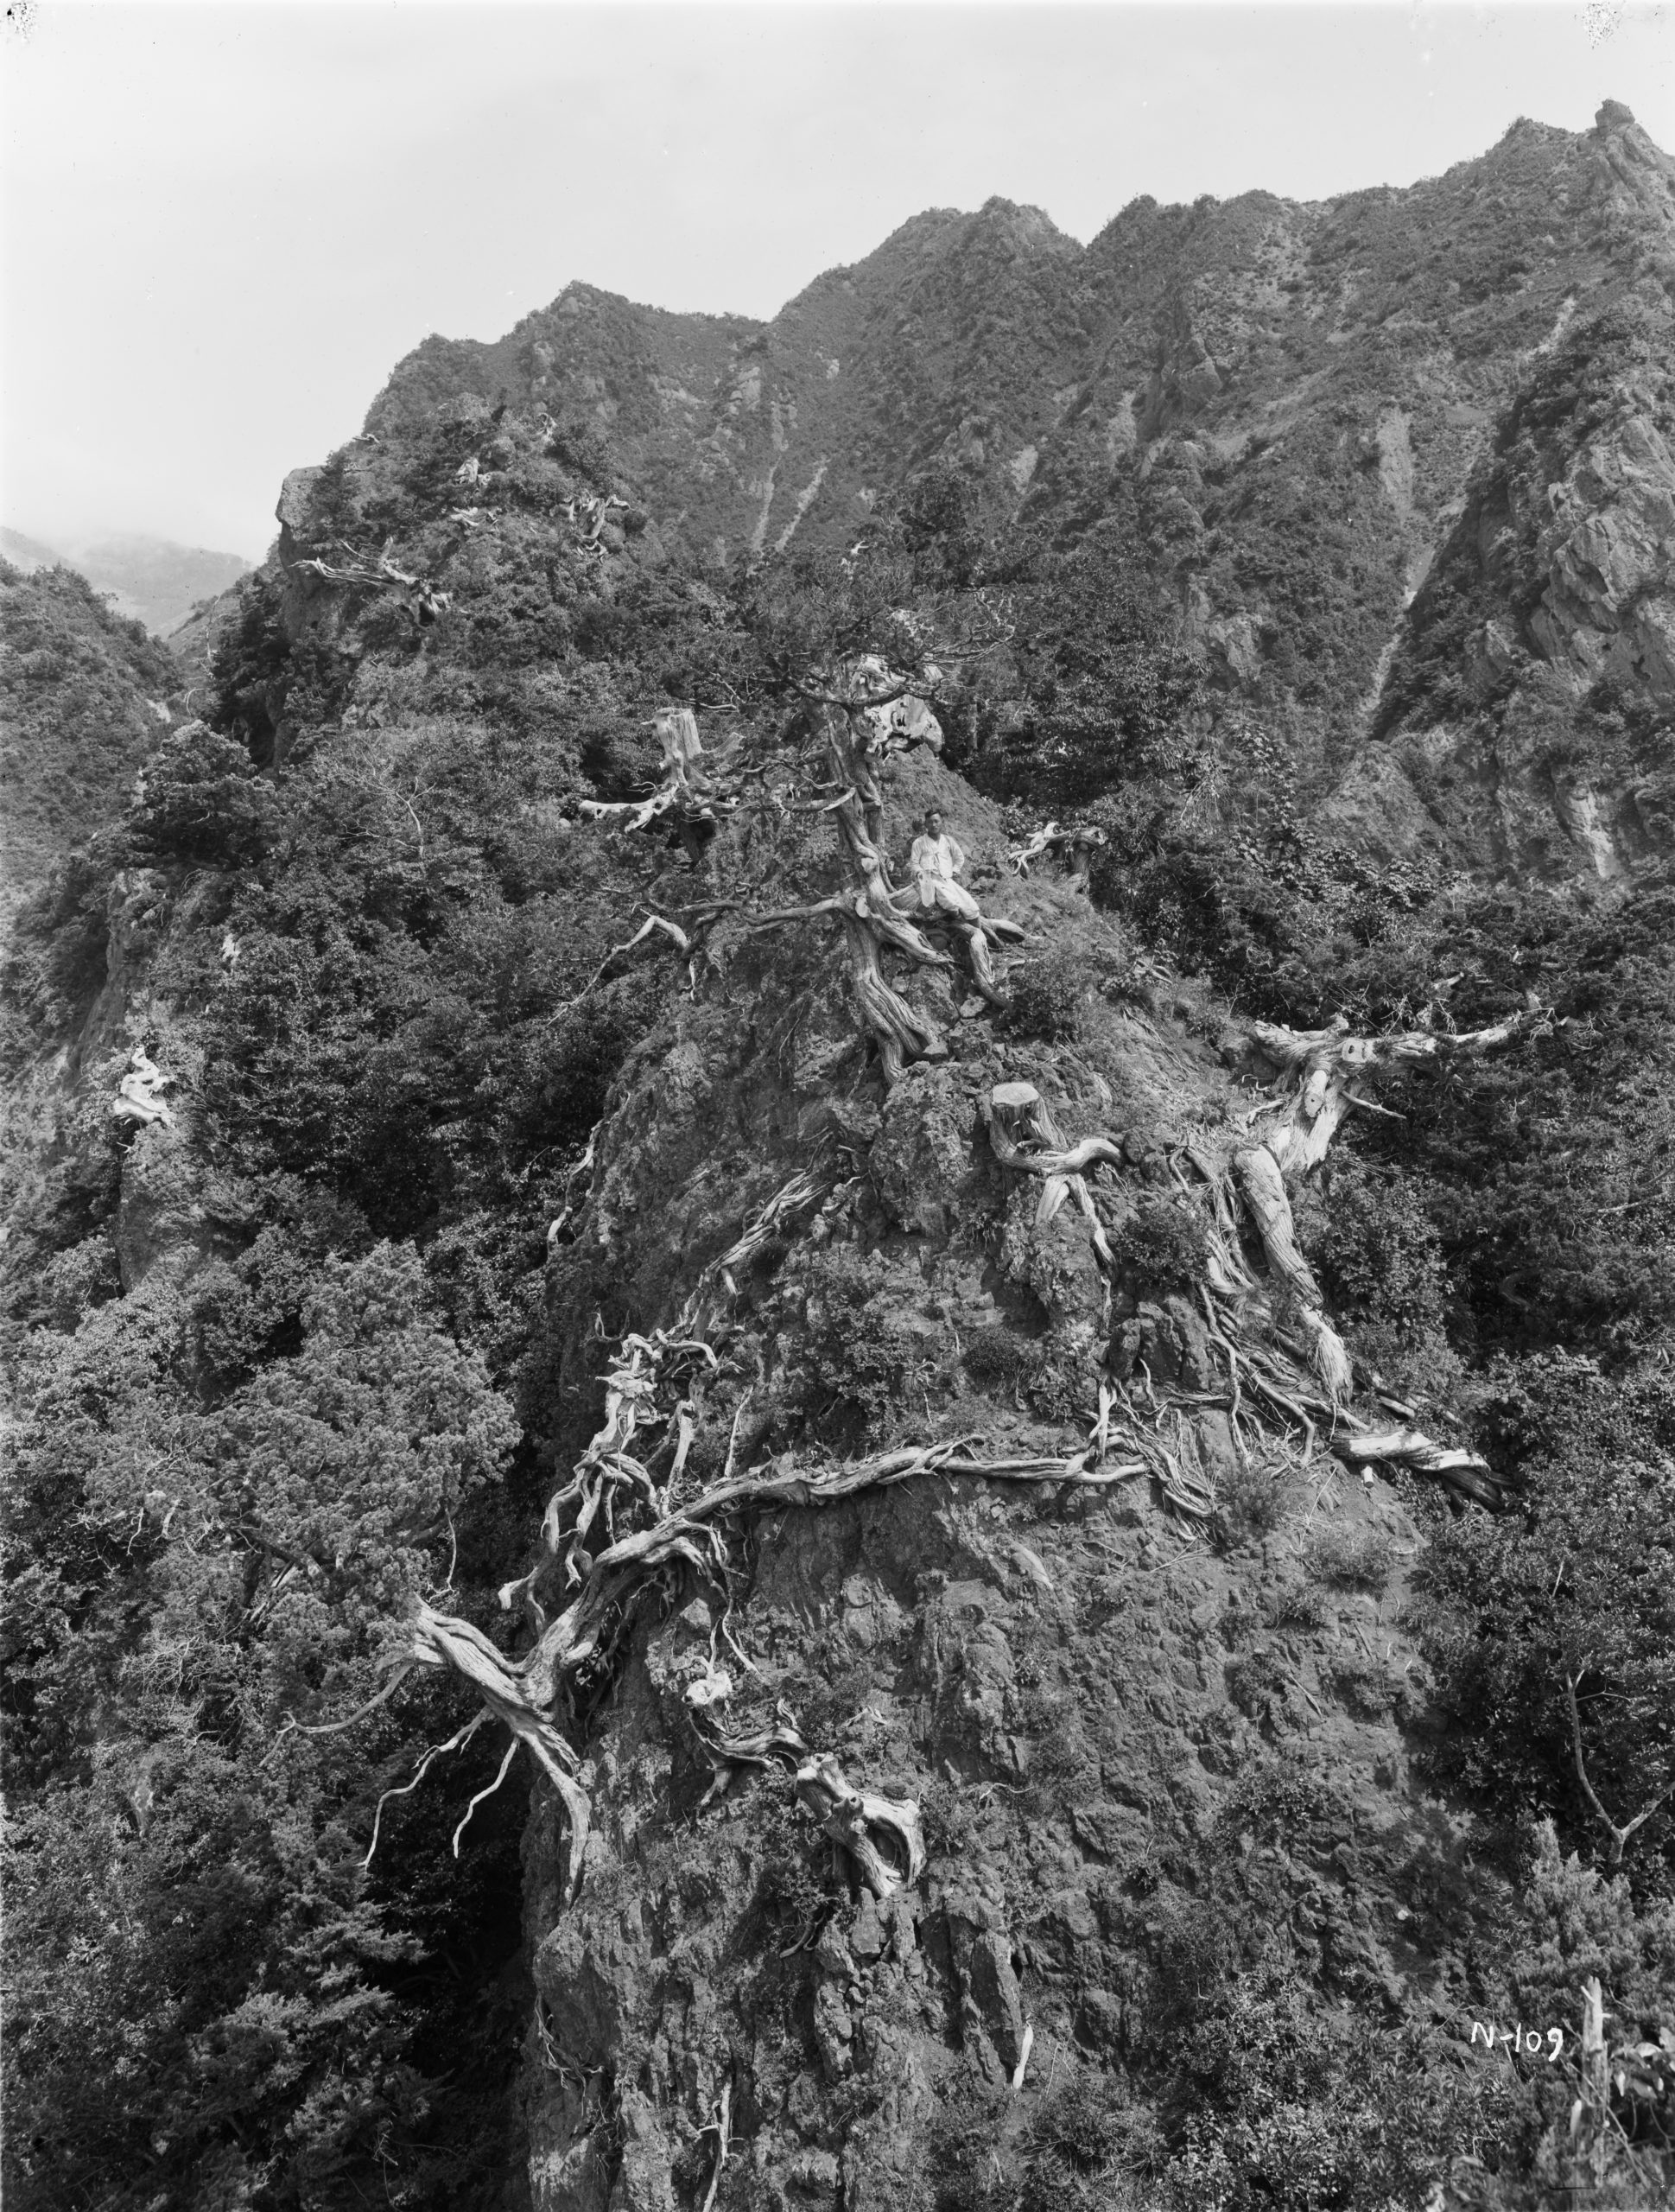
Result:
pixel 223 225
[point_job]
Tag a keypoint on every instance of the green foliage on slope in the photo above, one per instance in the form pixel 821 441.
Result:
pixel 74 684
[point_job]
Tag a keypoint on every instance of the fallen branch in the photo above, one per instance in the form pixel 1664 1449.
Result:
pixel 1468 1473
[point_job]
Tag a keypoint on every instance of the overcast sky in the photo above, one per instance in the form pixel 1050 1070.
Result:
pixel 224 225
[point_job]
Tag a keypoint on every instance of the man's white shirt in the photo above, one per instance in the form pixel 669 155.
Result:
pixel 938 857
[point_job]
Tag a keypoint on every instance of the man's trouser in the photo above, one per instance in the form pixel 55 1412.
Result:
pixel 940 891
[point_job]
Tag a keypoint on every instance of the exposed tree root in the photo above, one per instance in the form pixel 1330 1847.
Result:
pixel 1071 846
pixel 532 1696
pixel 137 1098
pixel 1317 1067
pixel 689 793
pixel 884 1838
pixel 1024 1136
pixel 1467 1473
pixel 609 1467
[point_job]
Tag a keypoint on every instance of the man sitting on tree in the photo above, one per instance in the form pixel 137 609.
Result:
pixel 936 860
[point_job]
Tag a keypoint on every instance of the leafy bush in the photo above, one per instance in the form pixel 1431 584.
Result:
pixel 1045 998
pixel 1086 2141
pixel 1163 1245
pixel 1280 2102
pixel 1379 1254
pixel 1253 1499
pixel 1572 1587
pixel 76 684
pixel 202 802
pixel 1000 1358
pixel 236 1954
pixel 866 1359
pixel 1108 693
pixel 1357 1559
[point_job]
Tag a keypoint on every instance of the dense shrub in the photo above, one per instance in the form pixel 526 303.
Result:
pixel 1108 695
pixel 866 1358
pixel 1163 1245
pixel 1572 1588
pixel 1045 997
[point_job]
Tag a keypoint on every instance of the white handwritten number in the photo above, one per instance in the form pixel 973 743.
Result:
pixel 1526 2042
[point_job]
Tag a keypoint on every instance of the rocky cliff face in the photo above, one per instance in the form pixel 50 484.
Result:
pixel 1116 1734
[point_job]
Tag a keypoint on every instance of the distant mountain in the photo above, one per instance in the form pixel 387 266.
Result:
pixel 30 553
pixel 149 580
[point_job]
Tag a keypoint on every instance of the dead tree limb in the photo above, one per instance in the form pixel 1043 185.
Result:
pixel 1623 1833
pixel 1317 1067
pixel 1467 1473
pixel 693 789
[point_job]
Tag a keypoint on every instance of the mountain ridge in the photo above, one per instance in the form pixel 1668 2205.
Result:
pixel 149 580
pixel 1282 402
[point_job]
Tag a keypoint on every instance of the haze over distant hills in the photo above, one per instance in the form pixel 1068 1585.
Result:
pixel 150 579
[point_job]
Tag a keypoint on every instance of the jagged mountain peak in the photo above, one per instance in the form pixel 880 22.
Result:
pixel 1280 404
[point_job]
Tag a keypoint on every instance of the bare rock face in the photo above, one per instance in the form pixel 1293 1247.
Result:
pixel 158 1214
pixel 1530 702
pixel 1082 1707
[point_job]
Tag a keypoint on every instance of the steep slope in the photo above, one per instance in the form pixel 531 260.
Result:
pixel 742 434
pixel 945 1444
pixel 82 693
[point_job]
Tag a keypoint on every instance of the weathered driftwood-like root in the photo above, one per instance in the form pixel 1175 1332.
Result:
pixel 425 603
pixel 1024 1135
pixel 609 1467
pixel 978 933
pixel 687 941
pixel 1025 1138
pixel 884 1836
pixel 440 1640
pixel 1467 1473
pixel 137 1098
pixel 1071 845
pixel 900 1031
pixel 871 713
pixel 576 1181
pixel 1264 1189
pixel 1317 1067
pixel 589 512
pixel 885 1839
pixel 689 793
pixel 720 2127
pixel 526 1694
